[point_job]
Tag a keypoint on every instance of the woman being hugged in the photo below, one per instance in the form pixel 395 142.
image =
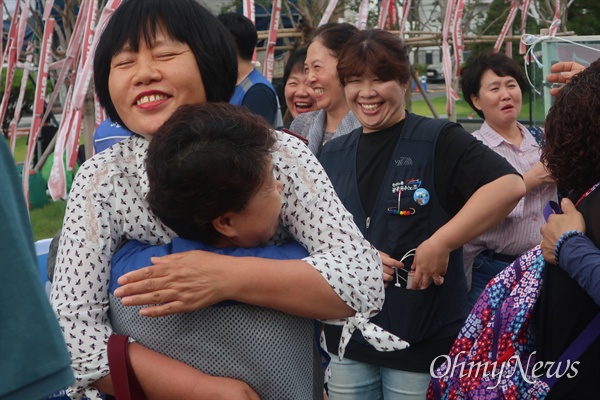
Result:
pixel 333 117
pixel 411 183
pixel 153 57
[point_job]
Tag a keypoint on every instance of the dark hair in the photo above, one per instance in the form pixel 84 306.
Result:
pixel 571 149
pixel 205 160
pixel 183 20
pixel 499 63
pixel 374 51
pixel 294 63
pixel 334 35
pixel 242 31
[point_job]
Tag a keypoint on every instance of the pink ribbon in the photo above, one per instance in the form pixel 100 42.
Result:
pixel 272 40
pixel 383 13
pixel 363 14
pixel 405 12
pixel 328 11
pixel 507 25
pixel 11 51
pixel 38 102
pixel 524 9
pixel 17 117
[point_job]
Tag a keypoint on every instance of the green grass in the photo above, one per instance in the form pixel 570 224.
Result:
pixel 21 148
pixel 420 107
pixel 47 220
pixel 463 110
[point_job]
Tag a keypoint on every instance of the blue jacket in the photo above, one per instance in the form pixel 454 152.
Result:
pixel 254 78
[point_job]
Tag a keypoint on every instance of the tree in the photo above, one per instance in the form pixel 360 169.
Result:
pixel 583 17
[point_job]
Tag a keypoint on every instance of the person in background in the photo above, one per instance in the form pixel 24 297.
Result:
pixel 47 133
pixel 154 56
pixel 569 297
pixel 34 362
pixel 210 173
pixel 333 118
pixel 253 90
pixel 296 91
pixel 415 186
pixel 493 85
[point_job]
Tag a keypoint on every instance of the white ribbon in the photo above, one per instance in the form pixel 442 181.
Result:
pixel 376 336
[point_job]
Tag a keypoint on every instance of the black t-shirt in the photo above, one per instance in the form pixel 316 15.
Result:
pixel 462 164
pixel 563 311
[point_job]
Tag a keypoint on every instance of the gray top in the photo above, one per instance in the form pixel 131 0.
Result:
pixel 273 352
pixel 312 124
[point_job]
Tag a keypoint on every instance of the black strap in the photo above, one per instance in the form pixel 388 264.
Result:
pixel 577 347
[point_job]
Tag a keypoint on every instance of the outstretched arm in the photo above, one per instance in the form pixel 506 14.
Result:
pixel 486 207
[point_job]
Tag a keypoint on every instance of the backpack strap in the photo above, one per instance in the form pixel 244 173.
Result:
pixel 125 383
pixel 578 346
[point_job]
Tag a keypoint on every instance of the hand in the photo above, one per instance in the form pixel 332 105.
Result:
pixel 177 283
pixel 389 267
pixel 430 264
pixel 536 176
pixel 562 72
pixel 570 219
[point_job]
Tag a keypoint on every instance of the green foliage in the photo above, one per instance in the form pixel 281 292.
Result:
pixel 14 95
pixel 583 17
pixel 497 12
pixel 421 68
pixel 20 148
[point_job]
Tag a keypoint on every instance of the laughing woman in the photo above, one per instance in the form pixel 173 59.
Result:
pixel 411 183
pixel 333 117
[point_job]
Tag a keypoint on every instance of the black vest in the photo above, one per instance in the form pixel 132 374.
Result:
pixel 414 315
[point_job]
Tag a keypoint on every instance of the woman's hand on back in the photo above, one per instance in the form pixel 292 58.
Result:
pixel 177 283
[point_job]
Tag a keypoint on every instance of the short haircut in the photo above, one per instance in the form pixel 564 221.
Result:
pixel 294 64
pixel 183 20
pixel 205 160
pixel 375 52
pixel 571 146
pixel 243 32
pixel 334 35
pixel 499 63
